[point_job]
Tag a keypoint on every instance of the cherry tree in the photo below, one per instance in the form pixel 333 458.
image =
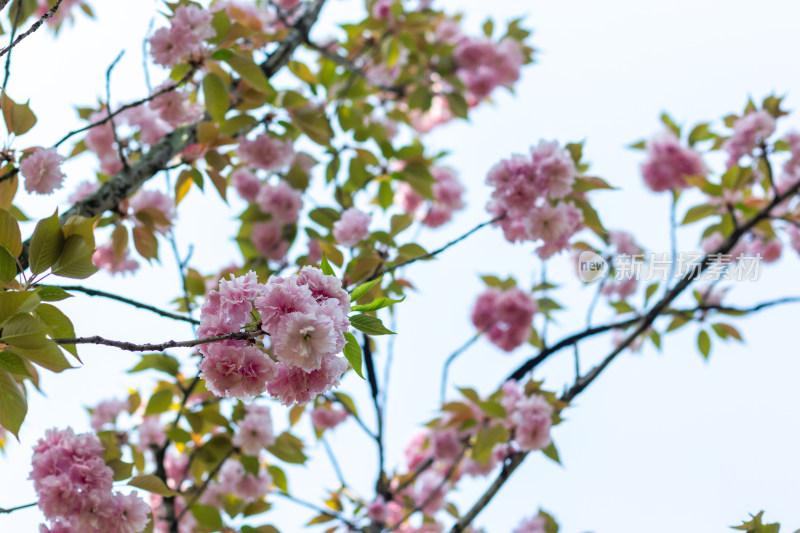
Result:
pixel 323 139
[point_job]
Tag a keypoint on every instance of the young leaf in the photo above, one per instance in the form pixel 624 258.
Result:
pixel 363 289
pixel 352 352
pixel 47 243
pixel 13 405
pixel 151 483
pixel 369 325
pixel 326 267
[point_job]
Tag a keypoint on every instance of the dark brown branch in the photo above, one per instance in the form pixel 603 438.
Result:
pixel 132 347
pixel 372 377
pixel 10 174
pixel 134 303
pixel 19 507
pixel 35 26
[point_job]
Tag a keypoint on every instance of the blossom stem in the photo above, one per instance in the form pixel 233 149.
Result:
pixel 132 347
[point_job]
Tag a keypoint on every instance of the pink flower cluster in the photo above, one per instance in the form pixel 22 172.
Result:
pixel 484 65
pixel 750 130
pixel 42 170
pixel 305 316
pixel 447 198
pixel 153 203
pixel 531 417
pixel 255 430
pixel 106 413
pixel 104 257
pixel 668 163
pixel 327 417
pixel 529 192
pixel 234 479
pixel 352 227
pixel 74 487
pixel 266 152
pixel 505 316
pixel 189 27
pixel 754 245
pixel 534 524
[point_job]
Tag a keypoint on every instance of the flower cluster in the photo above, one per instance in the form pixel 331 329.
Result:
pixel 189 27
pixel 106 413
pixel 505 316
pixel 255 430
pixel 750 130
pixel 484 65
pixel 531 417
pixel 234 479
pixel 447 198
pixel 352 227
pixel 266 152
pixel 530 192
pixel 668 163
pixel 534 524
pixel 305 316
pixel 74 487
pixel 42 170
pixel 327 416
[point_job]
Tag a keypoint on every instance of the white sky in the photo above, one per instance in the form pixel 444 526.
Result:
pixel 662 442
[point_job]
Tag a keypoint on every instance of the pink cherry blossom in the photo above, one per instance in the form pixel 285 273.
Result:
pixel 254 431
pixel 106 412
pixel 532 418
pixel 42 171
pixel 175 108
pixel 535 524
pixel 352 227
pixel 327 417
pixel 154 200
pixel 235 369
pixel 84 189
pixel 281 297
pixel 282 202
pixel 246 184
pixel 668 163
pixel 268 239
pixel 104 257
pixel 304 339
pixel 378 511
pixel 623 242
pixel 294 385
pixel 266 152
pixel 505 316
pixel 151 433
pixel 151 126
pixel 750 130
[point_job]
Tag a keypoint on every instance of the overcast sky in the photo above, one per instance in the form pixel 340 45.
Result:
pixel 662 442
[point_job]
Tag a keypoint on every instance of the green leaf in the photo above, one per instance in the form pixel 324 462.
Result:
pixel 278 477
pixel 59 325
pixel 326 267
pixel 369 325
pixel 377 303
pixel 352 352
pixel 250 72
pixel 551 452
pixel 699 212
pixel 288 448
pixel 10 237
pixel 216 96
pixel 19 119
pixel 151 483
pixel 47 243
pixel 363 289
pixel 13 302
pixel 704 343
pixel 52 293
pixel 313 122
pixel 121 469
pixel 486 440
pixel 48 356
pixel 157 361
pixel 24 331
pixel 75 260
pixel 8 266
pixel 207 515
pixel 13 405
pixel 160 401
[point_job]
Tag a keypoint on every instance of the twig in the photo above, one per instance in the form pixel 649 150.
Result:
pixel 381 271
pixel 10 174
pixel 132 347
pixel 426 464
pixel 33 28
pixel 330 512
pixel 27 505
pixel 120 149
pixel 14 26
pixel 450 360
pixel 372 378
pixel 3 4
pixel 134 303
pixel 169 88
pixel 336 468
pixel 204 486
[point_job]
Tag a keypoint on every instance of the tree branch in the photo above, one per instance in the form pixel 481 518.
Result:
pixel 134 303
pixel 33 28
pixel 132 347
pixel 453 356
pixel 19 507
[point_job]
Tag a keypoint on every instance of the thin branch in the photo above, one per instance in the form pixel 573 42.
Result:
pixel 204 486
pixel 14 26
pixel 330 512
pixel 354 415
pixel 381 271
pixel 27 505
pixel 120 149
pixel 164 90
pixel 414 475
pixel 334 462
pixel 3 4
pixel 33 28
pixel 132 347
pixel 450 360
pixel 673 239
pixel 372 378
pixel 10 174
pixel 134 303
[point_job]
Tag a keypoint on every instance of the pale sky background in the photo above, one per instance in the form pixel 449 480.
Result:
pixel 661 442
